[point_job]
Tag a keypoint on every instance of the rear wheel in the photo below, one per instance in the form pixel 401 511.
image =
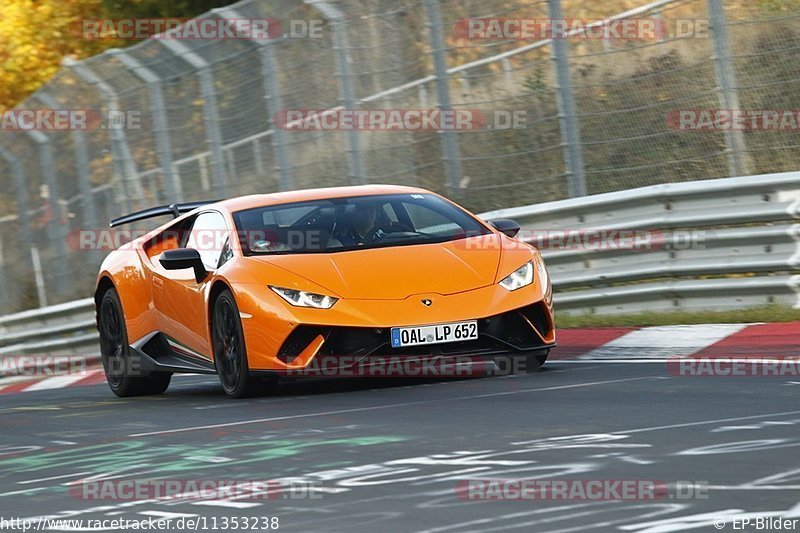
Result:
pixel 230 355
pixel 116 353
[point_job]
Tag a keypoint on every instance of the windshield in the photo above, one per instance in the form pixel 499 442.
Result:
pixel 358 223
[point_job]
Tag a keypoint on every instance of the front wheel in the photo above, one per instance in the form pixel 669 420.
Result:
pixel 124 377
pixel 230 355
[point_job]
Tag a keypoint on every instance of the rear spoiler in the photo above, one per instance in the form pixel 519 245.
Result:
pixel 175 210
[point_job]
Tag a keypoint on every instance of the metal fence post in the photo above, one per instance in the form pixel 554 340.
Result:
pixel 38 276
pixel 738 160
pixel 88 207
pixel 122 159
pixel 155 93
pixel 269 72
pixel 6 297
pixel 219 178
pixel 451 151
pixel 57 231
pixel 570 129
pixel 274 99
pixel 347 91
pixel 398 41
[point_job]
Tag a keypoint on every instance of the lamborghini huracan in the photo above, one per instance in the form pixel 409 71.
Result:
pixel 257 287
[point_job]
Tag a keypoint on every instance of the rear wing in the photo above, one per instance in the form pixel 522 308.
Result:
pixel 175 210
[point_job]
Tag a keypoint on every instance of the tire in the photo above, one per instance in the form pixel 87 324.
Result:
pixel 116 353
pixel 230 354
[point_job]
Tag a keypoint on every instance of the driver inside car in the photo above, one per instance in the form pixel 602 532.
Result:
pixel 362 227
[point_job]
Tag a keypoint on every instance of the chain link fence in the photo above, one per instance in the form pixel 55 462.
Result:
pixel 199 115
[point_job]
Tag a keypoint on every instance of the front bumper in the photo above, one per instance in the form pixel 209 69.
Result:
pixel 519 330
pixel 280 338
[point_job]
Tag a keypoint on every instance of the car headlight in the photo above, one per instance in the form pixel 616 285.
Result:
pixel 305 299
pixel 522 277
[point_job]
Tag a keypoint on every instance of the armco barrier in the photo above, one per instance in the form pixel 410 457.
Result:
pixel 746 252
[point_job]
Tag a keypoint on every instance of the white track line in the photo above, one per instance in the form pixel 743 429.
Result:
pixel 607 361
pixel 707 422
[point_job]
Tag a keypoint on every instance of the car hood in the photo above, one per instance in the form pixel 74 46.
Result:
pixel 397 272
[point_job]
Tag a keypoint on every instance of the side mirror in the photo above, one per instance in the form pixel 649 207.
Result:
pixel 505 226
pixel 183 258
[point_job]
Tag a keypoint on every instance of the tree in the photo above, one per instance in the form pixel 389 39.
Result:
pixel 35 35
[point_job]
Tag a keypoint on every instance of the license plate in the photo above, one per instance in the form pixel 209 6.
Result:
pixel 438 334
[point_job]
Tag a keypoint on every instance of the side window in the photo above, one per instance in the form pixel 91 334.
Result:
pixel 174 236
pixel 388 210
pixel 227 253
pixel 209 236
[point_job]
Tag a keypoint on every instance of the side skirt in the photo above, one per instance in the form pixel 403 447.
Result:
pixel 158 355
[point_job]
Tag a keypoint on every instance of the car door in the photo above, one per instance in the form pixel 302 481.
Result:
pixel 179 298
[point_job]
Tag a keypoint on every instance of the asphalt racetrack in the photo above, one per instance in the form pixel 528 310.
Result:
pixel 388 455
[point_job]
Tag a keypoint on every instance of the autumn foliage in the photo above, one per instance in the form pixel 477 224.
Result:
pixel 35 35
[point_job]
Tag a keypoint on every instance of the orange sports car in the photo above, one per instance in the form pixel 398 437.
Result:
pixel 263 286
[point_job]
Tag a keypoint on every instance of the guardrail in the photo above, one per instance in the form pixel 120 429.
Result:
pixel 708 245
pixel 739 246
pixel 63 329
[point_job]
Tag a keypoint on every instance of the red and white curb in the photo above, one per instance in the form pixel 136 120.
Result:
pixel 665 342
pixel 601 345
pixel 12 385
